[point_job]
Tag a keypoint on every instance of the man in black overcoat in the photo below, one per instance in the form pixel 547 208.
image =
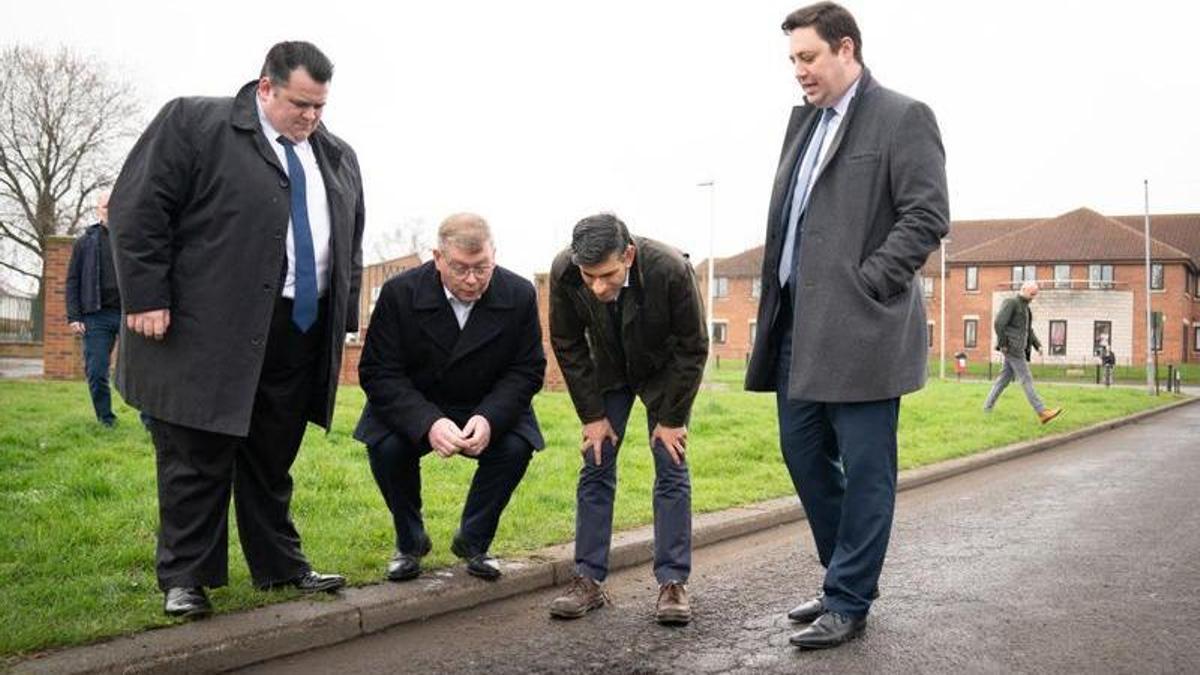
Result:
pixel 237 228
pixel 452 359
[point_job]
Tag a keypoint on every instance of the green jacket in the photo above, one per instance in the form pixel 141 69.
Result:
pixel 663 337
pixel 1014 328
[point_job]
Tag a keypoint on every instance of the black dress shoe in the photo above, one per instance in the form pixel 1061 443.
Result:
pixel 829 630
pixel 479 565
pixel 187 602
pixel 808 611
pixel 407 566
pixel 314 582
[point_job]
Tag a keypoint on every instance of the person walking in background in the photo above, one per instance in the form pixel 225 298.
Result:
pixel 237 226
pixel 1014 338
pixel 94 307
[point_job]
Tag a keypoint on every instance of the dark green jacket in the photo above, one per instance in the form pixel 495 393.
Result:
pixel 662 331
pixel 1014 328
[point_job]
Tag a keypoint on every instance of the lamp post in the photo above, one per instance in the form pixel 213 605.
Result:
pixel 942 314
pixel 711 184
pixel 1150 374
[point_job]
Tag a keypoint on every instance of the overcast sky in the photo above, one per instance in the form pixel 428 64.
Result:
pixel 536 114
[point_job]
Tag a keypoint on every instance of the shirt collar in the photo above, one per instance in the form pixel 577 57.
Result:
pixel 455 301
pixel 844 102
pixel 269 129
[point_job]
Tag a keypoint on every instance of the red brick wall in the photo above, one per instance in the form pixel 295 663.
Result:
pixel 554 378
pixel 62 352
pixel 737 310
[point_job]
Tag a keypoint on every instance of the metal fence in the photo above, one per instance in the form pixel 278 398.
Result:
pixel 16 319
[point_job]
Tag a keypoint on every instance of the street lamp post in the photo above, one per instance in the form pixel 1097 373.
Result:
pixel 942 314
pixel 1150 374
pixel 712 229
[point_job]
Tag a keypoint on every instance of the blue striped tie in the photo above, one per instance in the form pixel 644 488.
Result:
pixel 789 257
pixel 304 308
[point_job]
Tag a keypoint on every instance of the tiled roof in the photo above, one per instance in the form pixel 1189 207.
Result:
pixel 748 263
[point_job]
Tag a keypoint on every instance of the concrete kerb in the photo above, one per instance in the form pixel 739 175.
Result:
pixel 229 641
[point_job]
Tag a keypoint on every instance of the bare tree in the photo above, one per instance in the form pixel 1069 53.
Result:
pixel 63 123
pixel 411 235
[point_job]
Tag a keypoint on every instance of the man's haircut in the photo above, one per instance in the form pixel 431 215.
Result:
pixel 596 238
pixel 285 57
pixel 831 21
pixel 466 232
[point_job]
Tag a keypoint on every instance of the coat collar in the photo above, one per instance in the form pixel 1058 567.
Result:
pixel 436 318
pixel 244 117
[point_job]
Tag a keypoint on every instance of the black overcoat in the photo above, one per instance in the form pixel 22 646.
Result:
pixel 417 365
pixel 199 218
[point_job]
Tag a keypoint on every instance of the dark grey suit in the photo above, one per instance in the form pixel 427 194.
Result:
pixel 847 337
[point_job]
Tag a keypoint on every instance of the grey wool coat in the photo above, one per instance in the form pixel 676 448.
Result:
pixel 199 220
pixel 877 209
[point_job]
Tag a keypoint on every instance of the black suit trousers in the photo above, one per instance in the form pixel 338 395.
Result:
pixel 198 470
pixel 396 465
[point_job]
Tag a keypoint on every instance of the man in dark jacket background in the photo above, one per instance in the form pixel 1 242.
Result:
pixel 94 307
pixel 237 228
pixel 626 319
pixel 1014 338
pixel 452 359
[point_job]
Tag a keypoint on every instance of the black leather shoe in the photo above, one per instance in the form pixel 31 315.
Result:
pixel 407 566
pixel 314 582
pixel 479 565
pixel 829 630
pixel 187 602
pixel 809 610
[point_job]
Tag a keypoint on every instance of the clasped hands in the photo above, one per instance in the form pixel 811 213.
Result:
pixel 447 439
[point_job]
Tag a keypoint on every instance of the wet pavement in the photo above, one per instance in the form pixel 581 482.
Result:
pixel 1082 559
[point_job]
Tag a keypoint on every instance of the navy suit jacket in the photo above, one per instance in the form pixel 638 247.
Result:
pixel 418 366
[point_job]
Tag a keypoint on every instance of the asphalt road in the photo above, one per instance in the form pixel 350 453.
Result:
pixel 1082 559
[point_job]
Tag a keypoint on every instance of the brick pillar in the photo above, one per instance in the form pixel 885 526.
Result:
pixel 554 378
pixel 350 355
pixel 62 352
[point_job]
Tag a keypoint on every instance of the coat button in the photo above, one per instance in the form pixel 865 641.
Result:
pixel 283 183
pixel 256 341
pixel 266 287
pixel 810 284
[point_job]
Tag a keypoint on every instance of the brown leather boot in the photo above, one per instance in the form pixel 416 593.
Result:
pixel 673 607
pixel 582 596
pixel 1049 414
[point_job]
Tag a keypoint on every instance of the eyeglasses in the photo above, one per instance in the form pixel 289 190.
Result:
pixel 462 271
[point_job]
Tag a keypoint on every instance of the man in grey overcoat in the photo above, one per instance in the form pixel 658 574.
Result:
pixel 858 204
pixel 237 228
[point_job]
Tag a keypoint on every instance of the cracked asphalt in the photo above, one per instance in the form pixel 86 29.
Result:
pixel 1081 559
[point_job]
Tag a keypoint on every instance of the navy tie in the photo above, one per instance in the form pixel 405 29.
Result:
pixel 304 308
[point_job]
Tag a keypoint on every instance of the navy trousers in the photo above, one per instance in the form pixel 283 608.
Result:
pixel 597 492
pixel 396 465
pixel 842 461
pixel 102 328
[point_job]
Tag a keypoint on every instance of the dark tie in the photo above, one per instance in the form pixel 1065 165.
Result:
pixel 304 308
pixel 789 258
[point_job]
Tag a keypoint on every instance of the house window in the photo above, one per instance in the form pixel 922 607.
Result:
pixel 753 332
pixel 1062 276
pixel 1156 276
pixel 970 333
pixel 1101 336
pixel 1058 338
pixel 720 334
pixel 1157 331
pixel 1100 276
pixel 1023 273
pixel 721 290
pixel 927 286
pixel 1196 339
pixel 972 278
pixel 929 334
pixel 756 288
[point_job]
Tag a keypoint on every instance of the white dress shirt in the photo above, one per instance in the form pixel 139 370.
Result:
pixel 318 208
pixel 462 310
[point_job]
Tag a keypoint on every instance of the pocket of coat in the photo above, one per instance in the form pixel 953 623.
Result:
pixel 864 158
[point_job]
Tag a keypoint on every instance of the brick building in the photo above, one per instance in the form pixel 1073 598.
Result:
pixel 1090 269
pixel 373 278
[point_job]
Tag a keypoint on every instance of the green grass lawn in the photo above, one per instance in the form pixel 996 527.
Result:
pixel 78 506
